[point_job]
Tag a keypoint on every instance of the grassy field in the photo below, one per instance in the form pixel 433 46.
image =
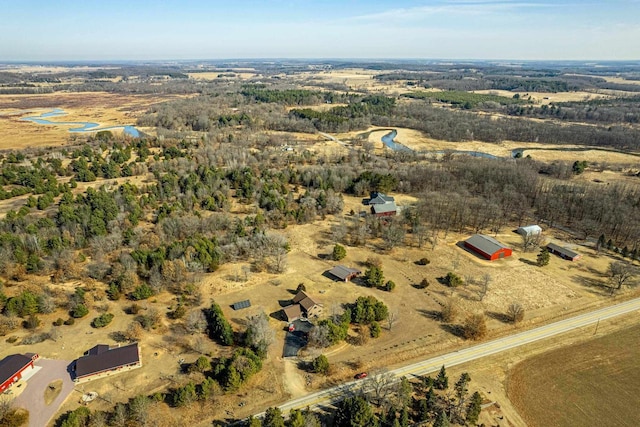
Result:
pixel 104 108
pixel 595 383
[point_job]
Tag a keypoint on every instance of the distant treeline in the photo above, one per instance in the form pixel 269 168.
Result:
pixel 449 125
pixel 478 81
pixel 465 100
pixel 291 96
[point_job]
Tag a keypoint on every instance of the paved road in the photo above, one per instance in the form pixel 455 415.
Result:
pixel 335 394
pixel 32 398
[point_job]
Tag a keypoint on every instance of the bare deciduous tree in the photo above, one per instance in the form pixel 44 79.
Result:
pixel 474 327
pixel 392 319
pixel 380 386
pixel 484 285
pixel 620 274
pixel 531 241
pixel 449 310
pixel 515 311
pixel 259 334
pixel 196 322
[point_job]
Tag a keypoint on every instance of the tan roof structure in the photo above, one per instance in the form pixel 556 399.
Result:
pixel 292 312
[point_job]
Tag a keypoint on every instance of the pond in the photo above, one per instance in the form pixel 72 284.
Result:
pixel 78 126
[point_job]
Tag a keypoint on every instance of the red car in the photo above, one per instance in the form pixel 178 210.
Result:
pixel 361 375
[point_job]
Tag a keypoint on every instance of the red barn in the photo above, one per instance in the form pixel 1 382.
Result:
pixel 12 367
pixel 487 247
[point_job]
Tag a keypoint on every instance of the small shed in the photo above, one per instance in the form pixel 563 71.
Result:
pixel 487 247
pixel 344 273
pixel 529 230
pixel 563 252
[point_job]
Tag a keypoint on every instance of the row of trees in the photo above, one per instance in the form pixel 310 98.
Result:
pixel 384 401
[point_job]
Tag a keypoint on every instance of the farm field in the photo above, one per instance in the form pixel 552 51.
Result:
pixel 587 384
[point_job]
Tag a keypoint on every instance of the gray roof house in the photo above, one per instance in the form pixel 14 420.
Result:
pixel 380 199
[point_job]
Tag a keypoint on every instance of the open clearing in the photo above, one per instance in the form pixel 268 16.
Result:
pixel 103 108
pixel 416 140
pixel 589 384
pixel 547 97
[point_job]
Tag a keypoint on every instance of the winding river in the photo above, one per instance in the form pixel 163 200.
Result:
pixel 42 119
pixel 388 140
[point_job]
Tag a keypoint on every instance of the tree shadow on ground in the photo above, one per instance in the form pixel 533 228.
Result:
pixel 501 317
pixel 278 315
pixel 430 314
pixel 595 286
pixel 305 366
pixel 527 261
pixel 455 330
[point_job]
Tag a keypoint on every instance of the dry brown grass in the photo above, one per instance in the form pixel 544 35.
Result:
pixel 418 141
pixel 105 109
pixel 593 383
pixel 548 97
pixel 52 391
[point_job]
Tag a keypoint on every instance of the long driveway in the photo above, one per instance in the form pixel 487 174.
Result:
pixel 32 398
pixel 337 393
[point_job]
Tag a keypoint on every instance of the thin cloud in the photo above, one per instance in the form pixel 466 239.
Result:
pixel 450 7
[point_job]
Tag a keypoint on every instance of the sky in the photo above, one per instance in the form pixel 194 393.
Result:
pixel 65 30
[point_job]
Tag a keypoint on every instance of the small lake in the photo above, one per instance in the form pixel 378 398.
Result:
pixel 42 119
pixel 388 140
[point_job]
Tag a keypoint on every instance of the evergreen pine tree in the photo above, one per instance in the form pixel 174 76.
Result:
pixel 442 420
pixel 543 257
pixel 442 381
pixel 475 406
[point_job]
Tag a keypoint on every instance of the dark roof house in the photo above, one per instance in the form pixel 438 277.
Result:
pixel 563 252
pixel 12 367
pixel 102 360
pixel 487 247
pixel 301 305
pixel 344 273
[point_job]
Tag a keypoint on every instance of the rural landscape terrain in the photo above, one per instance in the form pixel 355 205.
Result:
pixel 261 231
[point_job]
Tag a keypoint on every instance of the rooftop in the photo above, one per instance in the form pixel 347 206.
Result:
pixel 486 244
pixel 343 272
pixel 560 249
pixel 99 359
pixel 12 364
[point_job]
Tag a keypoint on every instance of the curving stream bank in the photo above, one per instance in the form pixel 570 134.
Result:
pixel 388 140
pixel 79 126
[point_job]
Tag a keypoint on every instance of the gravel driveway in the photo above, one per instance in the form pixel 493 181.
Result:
pixel 32 398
